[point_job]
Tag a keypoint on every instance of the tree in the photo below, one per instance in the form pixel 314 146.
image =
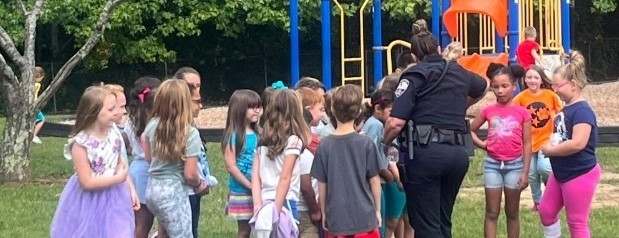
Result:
pixel 17 89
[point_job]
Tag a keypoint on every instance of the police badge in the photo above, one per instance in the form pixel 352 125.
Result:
pixel 402 86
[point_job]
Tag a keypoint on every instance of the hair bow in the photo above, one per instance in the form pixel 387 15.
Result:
pixel 143 94
pixel 378 101
pixel 279 85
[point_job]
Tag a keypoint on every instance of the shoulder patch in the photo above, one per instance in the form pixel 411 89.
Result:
pixel 402 86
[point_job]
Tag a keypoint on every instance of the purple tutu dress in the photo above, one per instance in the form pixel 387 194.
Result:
pixel 99 213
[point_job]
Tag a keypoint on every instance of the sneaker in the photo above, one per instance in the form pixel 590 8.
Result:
pixel 535 209
pixel 37 140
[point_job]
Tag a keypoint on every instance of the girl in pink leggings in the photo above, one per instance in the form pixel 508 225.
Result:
pixel 576 172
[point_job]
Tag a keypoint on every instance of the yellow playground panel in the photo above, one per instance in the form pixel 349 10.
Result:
pixel 360 60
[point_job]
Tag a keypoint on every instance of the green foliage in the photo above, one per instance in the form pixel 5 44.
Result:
pixel 407 10
pixel 12 21
pixel 604 6
pixel 145 31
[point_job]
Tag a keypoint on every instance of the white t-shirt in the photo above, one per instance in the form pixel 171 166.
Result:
pixel 305 166
pixel 270 169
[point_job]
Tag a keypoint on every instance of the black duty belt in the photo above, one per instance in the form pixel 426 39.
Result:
pixel 435 135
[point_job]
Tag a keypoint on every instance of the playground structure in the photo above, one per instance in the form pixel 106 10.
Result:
pixel 500 28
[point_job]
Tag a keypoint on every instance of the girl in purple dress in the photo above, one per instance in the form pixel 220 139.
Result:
pixel 99 199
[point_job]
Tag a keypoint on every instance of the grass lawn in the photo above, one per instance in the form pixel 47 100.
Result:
pixel 26 209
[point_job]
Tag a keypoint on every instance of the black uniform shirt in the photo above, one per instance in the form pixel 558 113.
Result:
pixel 445 106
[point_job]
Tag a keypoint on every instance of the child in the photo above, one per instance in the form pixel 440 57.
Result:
pixel 393 198
pixel 265 97
pixel 314 102
pixel 527 53
pixel 203 169
pixel 346 167
pixel 543 104
pixel 575 171
pixel 121 106
pixel 331 123
pixel 173 146
pixel 311 83
pixel 238 146
pixel 506 167
pixel 316 85
pixel 140 104
pixel 39 75
pixel 309 211
pixel 453 51
pixel 97 200
pixel 275 176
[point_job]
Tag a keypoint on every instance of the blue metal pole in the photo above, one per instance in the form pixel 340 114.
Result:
pixel 512 31
pixel 378 42
pixel 436 18
pixel 445 38
pixel 566 31
pixel 294 42
pixel 325 8
pixel 500 43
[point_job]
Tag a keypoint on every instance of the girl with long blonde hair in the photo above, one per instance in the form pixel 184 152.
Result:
pixel 172 146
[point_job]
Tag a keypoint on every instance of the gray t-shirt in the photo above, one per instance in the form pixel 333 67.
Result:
pixel 171 170
pixel 346 163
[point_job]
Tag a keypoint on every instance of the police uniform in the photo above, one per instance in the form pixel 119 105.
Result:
pixel 440 161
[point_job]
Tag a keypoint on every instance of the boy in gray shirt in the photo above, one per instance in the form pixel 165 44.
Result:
pixel 346 167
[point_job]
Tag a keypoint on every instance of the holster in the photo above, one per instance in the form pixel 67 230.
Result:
pixel 405 140
pixel 423 134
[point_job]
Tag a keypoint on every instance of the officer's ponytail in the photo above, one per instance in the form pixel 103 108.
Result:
pixel 514 71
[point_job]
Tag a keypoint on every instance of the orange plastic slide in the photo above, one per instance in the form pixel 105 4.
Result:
pixel 496 9
pixel 478 64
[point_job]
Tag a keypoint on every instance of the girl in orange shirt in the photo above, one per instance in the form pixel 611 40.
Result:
pixel 543 103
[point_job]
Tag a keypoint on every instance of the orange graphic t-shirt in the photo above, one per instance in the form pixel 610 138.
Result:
pixel 543 107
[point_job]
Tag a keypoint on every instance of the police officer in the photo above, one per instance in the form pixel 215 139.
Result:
pixel 432 98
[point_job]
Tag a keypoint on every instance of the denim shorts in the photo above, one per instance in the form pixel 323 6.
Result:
pixel 499 174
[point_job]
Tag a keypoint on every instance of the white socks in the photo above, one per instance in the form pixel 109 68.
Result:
pixel 553 231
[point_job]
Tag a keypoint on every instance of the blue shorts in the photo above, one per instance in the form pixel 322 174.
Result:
pixel 292 206
pixel 502 174
pixel 40 118
pixel 138 170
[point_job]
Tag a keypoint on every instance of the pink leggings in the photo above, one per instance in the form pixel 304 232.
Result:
pixel 576 195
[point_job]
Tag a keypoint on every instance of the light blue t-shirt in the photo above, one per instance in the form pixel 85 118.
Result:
pixel 374 129
pixel 244 162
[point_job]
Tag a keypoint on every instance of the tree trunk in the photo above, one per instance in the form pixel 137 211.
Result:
pixel 14 153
